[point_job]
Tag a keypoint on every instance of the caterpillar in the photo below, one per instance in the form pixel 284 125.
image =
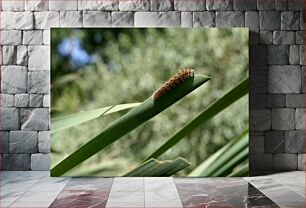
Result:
pixel 173 82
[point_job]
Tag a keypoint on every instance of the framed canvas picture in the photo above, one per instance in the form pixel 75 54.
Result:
pixel 149 102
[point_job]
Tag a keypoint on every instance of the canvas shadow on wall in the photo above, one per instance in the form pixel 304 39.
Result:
pixel 107 122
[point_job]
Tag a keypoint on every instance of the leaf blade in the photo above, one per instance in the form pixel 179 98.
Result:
pixel 128 122
pixel 156 168
pixel 68 121
pixel 230 97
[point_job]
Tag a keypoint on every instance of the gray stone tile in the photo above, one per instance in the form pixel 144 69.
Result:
pixel 98 5
pixel 9 55
pixel 222 5
pixel 14 79
pixel 257 101
pixel 36 54
pixel 260 120
pixel 40 161
pixel 299 119
pixel 196 5
pixel 134 5
pixel 256 144
pixel 266 37
pixel 22 55
pixel 10 119
pixel 285 79
pixel 261 161
pixel 283 37
pixel 302 20
pixel 36 100
pixel 4 141
pixel 297 5
pixel 278 54
pixel 302 56
pixel 44 142
pixel 294 142
pixel 186 19
pixel 63 5
pixel 269 20
pixel 21 100
pixel 258 56
pixel 45 20
pixel 162 5
pixel 276 100
pixel 274 141
pixel 35 119
pixel 38 5
pixel 301 162
pixel 11 37
pixel 281 5
pixel 32 37
pixel 16 162
pixel 97 19
pixel 285 162
pixel 6 100
pixel 258 81
pixel 203 19
pixel 71 19
pixel 294 54
pixel 295 100
pixel 39 82
pixel 157 19
pixel 252 20
pixel 283 118
pixel 299 37
pixel 229 19
pixel 23 142
pixel 290 20
pixel 24 20
pixel 265 5
pixel 122 19
pixel 244 5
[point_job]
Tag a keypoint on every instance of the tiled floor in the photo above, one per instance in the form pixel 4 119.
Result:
pixel 37 189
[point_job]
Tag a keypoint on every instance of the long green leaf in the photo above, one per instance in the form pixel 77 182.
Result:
pixel 210 160
pixel 68 121
pixel 225 160
pixel 131 120
pixel 232 162
pixel 241 171
pixel 233 95
pixel 154 168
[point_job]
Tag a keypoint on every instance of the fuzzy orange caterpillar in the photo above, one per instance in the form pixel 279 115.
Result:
pixel 173 82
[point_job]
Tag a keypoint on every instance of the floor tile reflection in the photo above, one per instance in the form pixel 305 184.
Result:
pixel 220 192
pixel 84 192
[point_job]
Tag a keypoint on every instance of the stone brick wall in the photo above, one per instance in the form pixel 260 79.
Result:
pixel 276 68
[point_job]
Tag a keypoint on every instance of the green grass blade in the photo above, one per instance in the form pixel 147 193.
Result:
pixel 68 121
pixel 210 160
pixel 143 169
pixel 232 162
pixel 128 122
pixel 155 168
pixel 241 171
pixel 225 158
pixel 230 97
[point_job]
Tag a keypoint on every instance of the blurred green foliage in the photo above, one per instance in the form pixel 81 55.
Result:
pixel 130 64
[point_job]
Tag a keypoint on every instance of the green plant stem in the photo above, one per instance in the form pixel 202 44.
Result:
pixel 131 120
pixel 241 171
pixel 231 163
pixel 156 168
pixel 230 97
